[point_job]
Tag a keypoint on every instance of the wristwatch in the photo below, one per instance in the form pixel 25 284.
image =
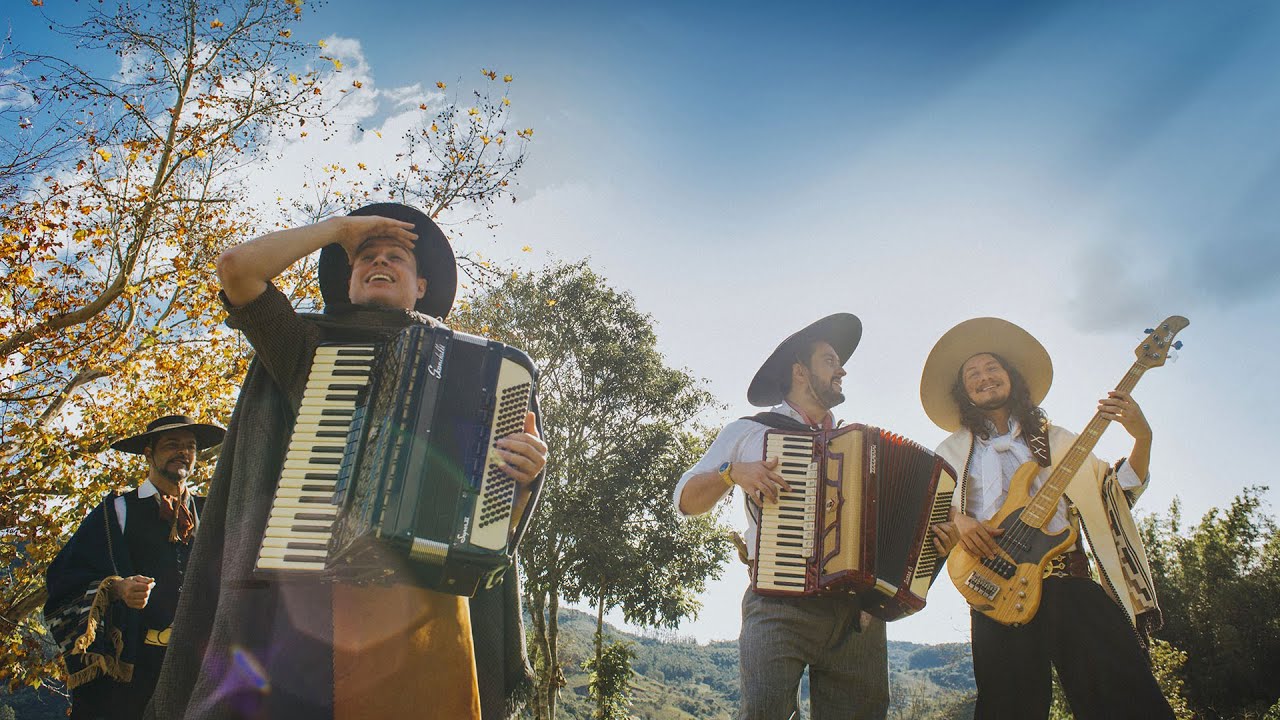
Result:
pixel 723 471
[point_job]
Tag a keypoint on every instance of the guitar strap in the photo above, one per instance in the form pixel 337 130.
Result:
pixel 1038 442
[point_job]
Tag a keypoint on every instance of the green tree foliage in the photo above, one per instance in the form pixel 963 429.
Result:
pixel 620 425
pixel 1219 588
pixel 610 683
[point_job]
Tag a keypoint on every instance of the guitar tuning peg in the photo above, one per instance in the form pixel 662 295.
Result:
pixel 1148 331
pixel 1173 356
pixel 1177 345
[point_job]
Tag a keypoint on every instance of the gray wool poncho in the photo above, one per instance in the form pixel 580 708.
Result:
pixel 244 648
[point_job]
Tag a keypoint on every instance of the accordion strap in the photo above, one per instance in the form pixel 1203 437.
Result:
pixel 778 421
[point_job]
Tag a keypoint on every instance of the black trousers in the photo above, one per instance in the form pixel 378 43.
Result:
pixel 1104 671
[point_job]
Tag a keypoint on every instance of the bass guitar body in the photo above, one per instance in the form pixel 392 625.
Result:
pixel 1007 589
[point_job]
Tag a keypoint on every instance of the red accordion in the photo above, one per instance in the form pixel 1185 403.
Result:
pixel 856 520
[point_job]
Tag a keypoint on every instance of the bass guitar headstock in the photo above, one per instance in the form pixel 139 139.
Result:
pixel 1156 346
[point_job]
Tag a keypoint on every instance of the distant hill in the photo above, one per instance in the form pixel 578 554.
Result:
pixel 679 679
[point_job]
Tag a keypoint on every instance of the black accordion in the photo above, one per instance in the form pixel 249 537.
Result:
pixel 392 472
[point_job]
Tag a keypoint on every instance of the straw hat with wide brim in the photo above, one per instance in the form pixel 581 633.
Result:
pixel 206 435
pixel 842 331
pixel 972 337
pixel 432 251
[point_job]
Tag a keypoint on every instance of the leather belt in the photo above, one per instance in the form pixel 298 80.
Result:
pixel 1069 564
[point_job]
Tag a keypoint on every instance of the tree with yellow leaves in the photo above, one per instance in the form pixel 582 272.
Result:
pixel 118 187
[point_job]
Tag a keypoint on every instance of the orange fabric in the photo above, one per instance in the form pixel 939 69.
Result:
pixel 400 652
pixel 174 510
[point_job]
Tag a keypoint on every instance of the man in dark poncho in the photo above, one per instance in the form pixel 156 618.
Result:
pixel 113 588
pixel 244 648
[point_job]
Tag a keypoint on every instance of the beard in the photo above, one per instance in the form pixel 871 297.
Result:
pixel 993 403
pixel 173 473
pixel 828 395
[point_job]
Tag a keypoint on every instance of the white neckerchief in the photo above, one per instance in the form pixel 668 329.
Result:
pixel 996 459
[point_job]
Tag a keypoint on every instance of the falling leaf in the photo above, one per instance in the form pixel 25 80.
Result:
pixel 37 3
pixel 551 303
pixel 526 248
pixel 357 84
pixel 337 64
pixel 286 33
pixel 378 133
pixel 506 78
pixel 293 78
pixel 434 128
pixel 440 85
pixel 104 154
pixel 322 44
pixel 361 166
pixel 215 24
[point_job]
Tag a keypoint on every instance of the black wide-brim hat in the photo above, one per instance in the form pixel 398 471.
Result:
pixel 206 435
pixel 842 331
pixel 432 250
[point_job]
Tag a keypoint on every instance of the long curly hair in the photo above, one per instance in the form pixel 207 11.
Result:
pixel 1029 415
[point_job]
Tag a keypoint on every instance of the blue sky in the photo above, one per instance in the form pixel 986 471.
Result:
pixel 1082 169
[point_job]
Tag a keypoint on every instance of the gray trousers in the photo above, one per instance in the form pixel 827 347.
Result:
pixel 848 670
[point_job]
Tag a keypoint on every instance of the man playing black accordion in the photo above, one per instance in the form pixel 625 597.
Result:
pixel 265 649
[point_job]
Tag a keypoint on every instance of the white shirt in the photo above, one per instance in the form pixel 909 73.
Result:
pixel 740 441
pixel 994 462
pixel 145 490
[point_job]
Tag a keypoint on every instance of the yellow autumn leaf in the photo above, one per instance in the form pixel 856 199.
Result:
pixel 361 166
pixel 286 33
pixel 322 44
pixel 551 303
pixel 472 111
pixel 506 101
pixel 200 153
pixel 434 128
pixel 104 154
pixel 215 24
pixel 440 85
pixel 506 78
pixel 378 133
pixel 337 64
pixel 526 248
pixel 293 78
pixel 484 139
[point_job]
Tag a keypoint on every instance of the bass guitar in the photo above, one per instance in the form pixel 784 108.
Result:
pixel 1007 588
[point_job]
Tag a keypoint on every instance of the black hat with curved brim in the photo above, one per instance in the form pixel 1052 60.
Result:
pixel 842 331
pixel 206 435
pixel 432 251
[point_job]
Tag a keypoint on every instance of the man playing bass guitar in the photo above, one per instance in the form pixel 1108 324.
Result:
pixel 984 381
